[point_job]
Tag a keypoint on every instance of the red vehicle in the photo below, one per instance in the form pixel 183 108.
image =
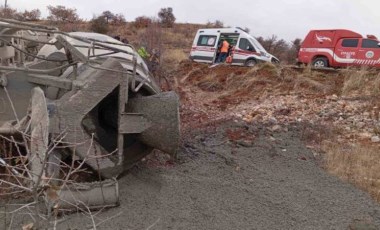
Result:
pixel 339 48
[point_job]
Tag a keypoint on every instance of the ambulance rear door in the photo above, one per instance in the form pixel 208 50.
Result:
pixel 204 48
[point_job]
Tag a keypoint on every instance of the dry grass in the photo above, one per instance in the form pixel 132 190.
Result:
pixel 174 56
pixel 211 83
pixel 302 82
pixel 67 27
pixel 279 80
pixel 260 80
pixel 361 82
pixel 175 40
pixel 264 73
pixel 358 164
pixel 170 60
pixel 187 29
pixel 266 69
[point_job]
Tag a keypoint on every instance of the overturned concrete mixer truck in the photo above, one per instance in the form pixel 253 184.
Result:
pixel 84 96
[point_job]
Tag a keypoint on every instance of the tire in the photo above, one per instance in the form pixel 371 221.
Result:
pixel 275 61
pixel 250 63
pixel 320 62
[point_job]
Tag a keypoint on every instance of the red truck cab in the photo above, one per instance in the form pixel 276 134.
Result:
pixel 339 48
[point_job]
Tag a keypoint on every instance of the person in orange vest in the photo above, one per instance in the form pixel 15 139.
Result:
pixel 223 51
pixel 230 54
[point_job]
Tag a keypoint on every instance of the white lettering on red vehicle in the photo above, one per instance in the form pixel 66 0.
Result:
pixel 322 38
pixel 348 54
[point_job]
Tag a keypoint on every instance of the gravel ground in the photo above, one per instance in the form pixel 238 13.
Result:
pixel 234 177
pixel 272 183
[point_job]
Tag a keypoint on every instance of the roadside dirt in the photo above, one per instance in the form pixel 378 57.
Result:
pixel 268 181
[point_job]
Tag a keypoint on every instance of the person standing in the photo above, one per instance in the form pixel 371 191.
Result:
pixel 223 51
pixel 154 61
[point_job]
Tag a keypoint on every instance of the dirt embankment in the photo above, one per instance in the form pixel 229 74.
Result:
pixel 277 93
pixel 339 109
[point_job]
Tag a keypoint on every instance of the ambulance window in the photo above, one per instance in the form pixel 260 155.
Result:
pixel 368 43
pixel 244 44
pixel 206 40
pixel 350 42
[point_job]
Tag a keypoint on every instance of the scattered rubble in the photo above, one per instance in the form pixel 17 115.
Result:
pixel 344 113
pixel 375 139
pixel 354 118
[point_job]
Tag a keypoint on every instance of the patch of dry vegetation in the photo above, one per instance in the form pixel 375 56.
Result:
pixel 264 79
pixel 177 40
pixel 302 82
pixel 262 74
pixel 268 79
pixel 211 83
pixel 357 164
pixel 174 57
pixel 362 82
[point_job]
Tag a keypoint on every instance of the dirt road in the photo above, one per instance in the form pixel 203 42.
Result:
pixel 271 181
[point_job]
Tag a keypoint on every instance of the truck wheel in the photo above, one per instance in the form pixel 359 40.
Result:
pixel 250 62
pixel 275 61
pixel 320 62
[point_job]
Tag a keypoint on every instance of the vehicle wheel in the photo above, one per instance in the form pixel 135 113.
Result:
pixel 320 62
pixel 275 61
pixel 250 62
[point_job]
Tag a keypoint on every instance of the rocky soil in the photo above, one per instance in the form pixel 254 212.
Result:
pixel 278 100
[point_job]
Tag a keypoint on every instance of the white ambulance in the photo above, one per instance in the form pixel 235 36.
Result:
pixel 245 51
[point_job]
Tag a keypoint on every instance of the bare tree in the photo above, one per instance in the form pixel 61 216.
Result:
pixel 296 44
pixel 152 37
pixel 294 49
pixel 215 24
pixel 99 25
pixel 33 15
pixel 108 15
pixel 62 14
pixel 281 48
pixel 8 12
pixel 114 19
pixel 118 20
pixel 166 17
pixel 142 22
